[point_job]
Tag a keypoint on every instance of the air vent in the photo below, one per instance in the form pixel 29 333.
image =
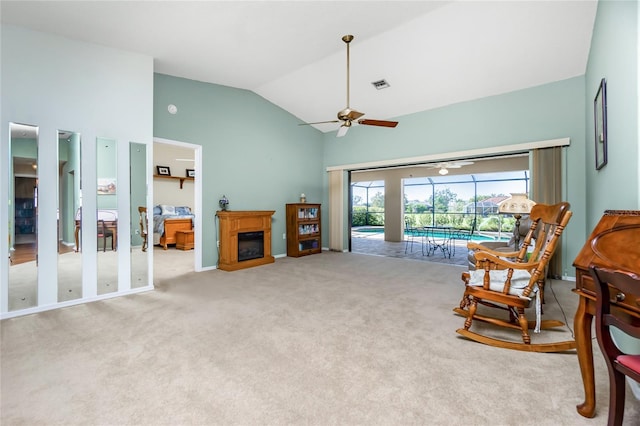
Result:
pixel 380 84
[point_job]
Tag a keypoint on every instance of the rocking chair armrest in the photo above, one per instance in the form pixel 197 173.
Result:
pixel 481 247
pixel 504 263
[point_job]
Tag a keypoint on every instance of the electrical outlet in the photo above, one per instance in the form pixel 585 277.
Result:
pixel 284 236
pixel 218 243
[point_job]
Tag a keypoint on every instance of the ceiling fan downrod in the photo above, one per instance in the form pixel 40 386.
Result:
pixel 347 39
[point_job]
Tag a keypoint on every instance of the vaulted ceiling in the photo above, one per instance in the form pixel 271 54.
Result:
pixel 432 53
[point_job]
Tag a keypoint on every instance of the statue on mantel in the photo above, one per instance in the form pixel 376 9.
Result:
pixel 224 202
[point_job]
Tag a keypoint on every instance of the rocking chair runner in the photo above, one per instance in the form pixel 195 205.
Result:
pixel 512 280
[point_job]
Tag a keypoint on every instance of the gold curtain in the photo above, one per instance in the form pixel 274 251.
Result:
pixel 546 188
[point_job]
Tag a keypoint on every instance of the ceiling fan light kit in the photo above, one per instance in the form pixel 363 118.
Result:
pixel 347 116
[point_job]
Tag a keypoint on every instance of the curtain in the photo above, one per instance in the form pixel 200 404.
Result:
pixel 336 210
pixel 546 188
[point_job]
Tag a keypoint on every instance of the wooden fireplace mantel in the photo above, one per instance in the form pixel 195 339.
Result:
pixel 234 222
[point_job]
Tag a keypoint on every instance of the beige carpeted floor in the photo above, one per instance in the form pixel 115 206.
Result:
pixel 332 338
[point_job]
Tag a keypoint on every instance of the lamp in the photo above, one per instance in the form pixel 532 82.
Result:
pixel 516 205
pixel 443 171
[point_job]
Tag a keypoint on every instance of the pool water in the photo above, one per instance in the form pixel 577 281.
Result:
pixel 474 237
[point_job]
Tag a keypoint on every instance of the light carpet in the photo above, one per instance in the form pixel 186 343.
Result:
pixel 333 338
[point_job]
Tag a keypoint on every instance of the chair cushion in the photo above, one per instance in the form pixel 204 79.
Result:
pixel 519 280
pixel 630 361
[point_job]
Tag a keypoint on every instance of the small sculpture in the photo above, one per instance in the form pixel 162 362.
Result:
pixel 224 202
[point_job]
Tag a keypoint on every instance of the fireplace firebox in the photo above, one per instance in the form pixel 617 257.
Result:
pixel 250 245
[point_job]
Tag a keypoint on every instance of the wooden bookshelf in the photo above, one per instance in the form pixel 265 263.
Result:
pixel 303 229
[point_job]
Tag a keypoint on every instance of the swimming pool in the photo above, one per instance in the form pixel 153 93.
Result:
pixel 474 236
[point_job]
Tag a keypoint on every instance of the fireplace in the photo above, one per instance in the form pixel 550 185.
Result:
pixel 250 245
pixel 245 239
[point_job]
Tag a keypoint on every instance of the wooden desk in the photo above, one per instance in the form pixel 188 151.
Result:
pixel 614 243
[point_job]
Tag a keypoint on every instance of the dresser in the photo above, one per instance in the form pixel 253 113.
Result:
pixel 615 244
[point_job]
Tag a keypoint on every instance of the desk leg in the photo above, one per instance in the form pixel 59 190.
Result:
pixel 582 326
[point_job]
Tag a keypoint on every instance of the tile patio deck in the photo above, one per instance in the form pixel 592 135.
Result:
pixel 373 243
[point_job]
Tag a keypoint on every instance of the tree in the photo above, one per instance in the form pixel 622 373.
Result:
pixel 357 200
pixel 378 200
pixel 442 200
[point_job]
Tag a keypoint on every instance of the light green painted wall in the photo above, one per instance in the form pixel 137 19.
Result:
pixel 540 113
pixel 614 56
pixel 252 151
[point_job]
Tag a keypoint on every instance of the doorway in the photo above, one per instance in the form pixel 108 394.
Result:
pixel 178 187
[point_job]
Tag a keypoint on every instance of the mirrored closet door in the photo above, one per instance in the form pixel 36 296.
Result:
pixel 69 216
pixel 23 217
pixel 139 219
pixel 107 215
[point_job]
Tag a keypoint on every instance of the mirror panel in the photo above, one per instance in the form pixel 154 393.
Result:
pixel 139 218
pixel 23 217
pixel 69 224
pixel 107 215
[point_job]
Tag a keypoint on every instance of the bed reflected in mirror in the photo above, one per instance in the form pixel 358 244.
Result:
pixel 69 223
pixel 107 215
pixel 23 217
pixel 139 219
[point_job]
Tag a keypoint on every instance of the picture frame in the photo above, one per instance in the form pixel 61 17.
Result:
pixel 191 173
pixel 163 171
pixel 600 124
pixel 107 186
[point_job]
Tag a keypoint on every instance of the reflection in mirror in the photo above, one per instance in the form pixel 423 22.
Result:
pixel 69 204
pixel 23 217
pixel 107 215
pixel 139 218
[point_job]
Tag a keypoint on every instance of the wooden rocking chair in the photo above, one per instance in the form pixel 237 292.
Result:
pixel 512 280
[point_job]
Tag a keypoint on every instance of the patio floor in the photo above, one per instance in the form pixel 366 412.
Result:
pixel 373 243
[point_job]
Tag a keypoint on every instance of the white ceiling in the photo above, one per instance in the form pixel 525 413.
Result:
pixel 432 53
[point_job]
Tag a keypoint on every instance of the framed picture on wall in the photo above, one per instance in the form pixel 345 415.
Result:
pixel 106 186
pixel 163 171
pixel 600 122
pixel 191 173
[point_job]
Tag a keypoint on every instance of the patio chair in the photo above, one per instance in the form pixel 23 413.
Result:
pixel 510 281
pixel 409 234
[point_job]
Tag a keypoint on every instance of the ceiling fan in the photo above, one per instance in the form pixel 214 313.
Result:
pixel 446 165
pixel 347 116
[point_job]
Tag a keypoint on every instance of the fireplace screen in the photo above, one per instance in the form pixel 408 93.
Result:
pixel 250 245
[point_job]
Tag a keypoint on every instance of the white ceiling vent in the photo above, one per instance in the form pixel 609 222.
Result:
pixel 380 84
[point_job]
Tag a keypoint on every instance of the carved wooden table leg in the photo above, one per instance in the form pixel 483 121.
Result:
pixel 582 326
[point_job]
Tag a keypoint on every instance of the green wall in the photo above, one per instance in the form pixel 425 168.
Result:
pixel 614 56
pixel 540 113
pixel 252 151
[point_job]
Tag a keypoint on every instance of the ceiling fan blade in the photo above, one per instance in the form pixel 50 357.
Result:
pixel 381 123
pixel 342 131
pixel 319 122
